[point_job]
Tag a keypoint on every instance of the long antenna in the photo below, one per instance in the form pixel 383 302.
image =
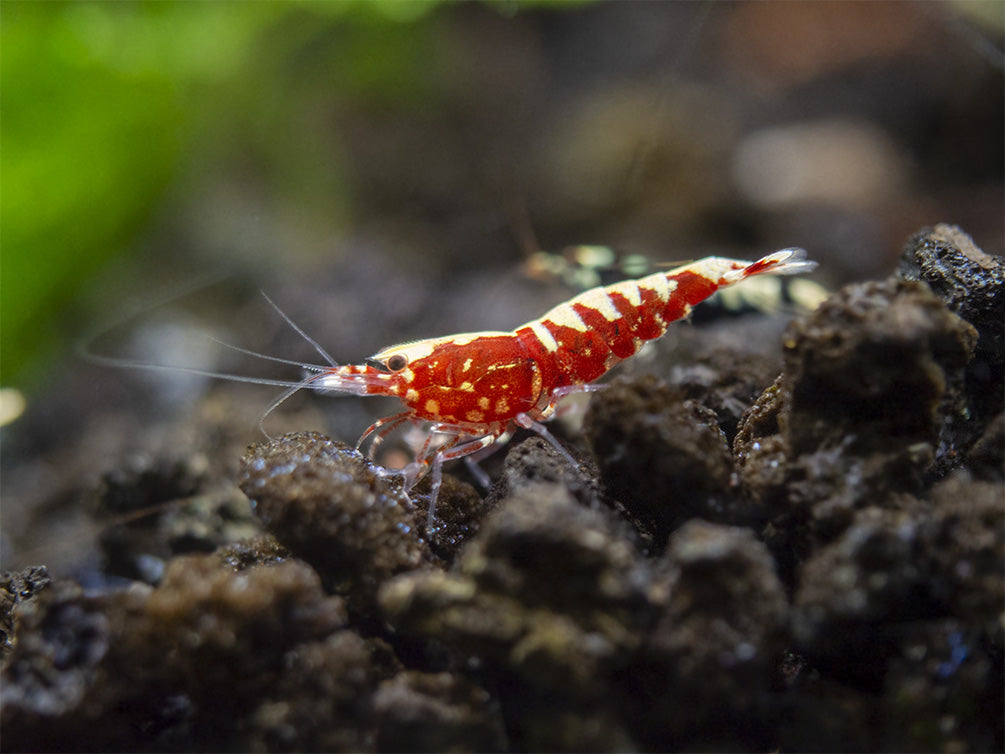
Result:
pixel 301 333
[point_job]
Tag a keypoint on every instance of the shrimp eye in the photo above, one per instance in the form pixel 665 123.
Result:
pixel 397 362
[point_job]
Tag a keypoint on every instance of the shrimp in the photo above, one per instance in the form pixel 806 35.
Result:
pixel 476 388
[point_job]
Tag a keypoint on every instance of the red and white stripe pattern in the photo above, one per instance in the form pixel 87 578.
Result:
pixel 475 387
pixel 485 380
pixel 578 341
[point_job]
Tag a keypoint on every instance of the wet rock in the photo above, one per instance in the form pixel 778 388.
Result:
pixel 726 381
pixel 943 691
pixel 965 540
pixel 263 550
pixel 144 668
pixel 969 281
pixel 927 560
pixel 877 359
pixel 548 587
pixel 231 623
pixel 972 284
pixel 17 587
pixel 713 651
pixel 534 462
pixel 436 712
pixel 551 597
pixel 459 511
pixel 321 700
pixel 642 430
pixel 156 508
pixel 66 686
pixel 854 593
pixel 856 416
pixel 141 482
pixel 986 458
pixel 328 505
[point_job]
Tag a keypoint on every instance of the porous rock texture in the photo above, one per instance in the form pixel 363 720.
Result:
pixel 823 574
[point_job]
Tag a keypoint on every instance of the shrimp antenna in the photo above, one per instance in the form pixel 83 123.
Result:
pixel 83 347
pixel 301 333
pixel 286 394
pixel 267 357
pixel 113 361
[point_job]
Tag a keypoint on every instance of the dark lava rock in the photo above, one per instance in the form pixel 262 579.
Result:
pixel 16 587
pixel 552 597
pixel 320 701
pixel 986 457
pixel 712 653
pixel 535 462
pixel 436 712
pixel 880 359
pixel 642 430
pixel 230 621
pixel 907 604
pixel 329 506
pixel 263 550
pixel 943 690
pixel 146 668
pixel 725 380
pixel 459 511
pixel 853 601
pixel 155 508
pixel 537 557
pixel 869 380
pixel 855 593
pixel 972 284
pixel 69 685
pixel 964 539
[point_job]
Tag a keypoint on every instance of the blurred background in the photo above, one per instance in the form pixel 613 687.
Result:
pixel 387 170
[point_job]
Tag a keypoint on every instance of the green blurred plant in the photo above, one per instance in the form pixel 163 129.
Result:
pixel 104 105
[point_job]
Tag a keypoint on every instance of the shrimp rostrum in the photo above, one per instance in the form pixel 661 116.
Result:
pixel 475 388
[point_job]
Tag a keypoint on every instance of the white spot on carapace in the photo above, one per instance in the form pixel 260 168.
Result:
pixel 412 395
pixel 474 416
pixel 483 402
pixel 502 406
pixel 432 407
pixel 467 387
pixel 467 365
pixel 545 337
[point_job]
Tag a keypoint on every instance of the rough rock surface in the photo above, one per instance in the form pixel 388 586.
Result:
pixel 328 505
pixel 831 581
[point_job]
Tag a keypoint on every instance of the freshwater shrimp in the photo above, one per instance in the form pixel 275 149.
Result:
pixel 476 388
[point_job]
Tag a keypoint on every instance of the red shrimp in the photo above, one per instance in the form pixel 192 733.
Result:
pixel 476 388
